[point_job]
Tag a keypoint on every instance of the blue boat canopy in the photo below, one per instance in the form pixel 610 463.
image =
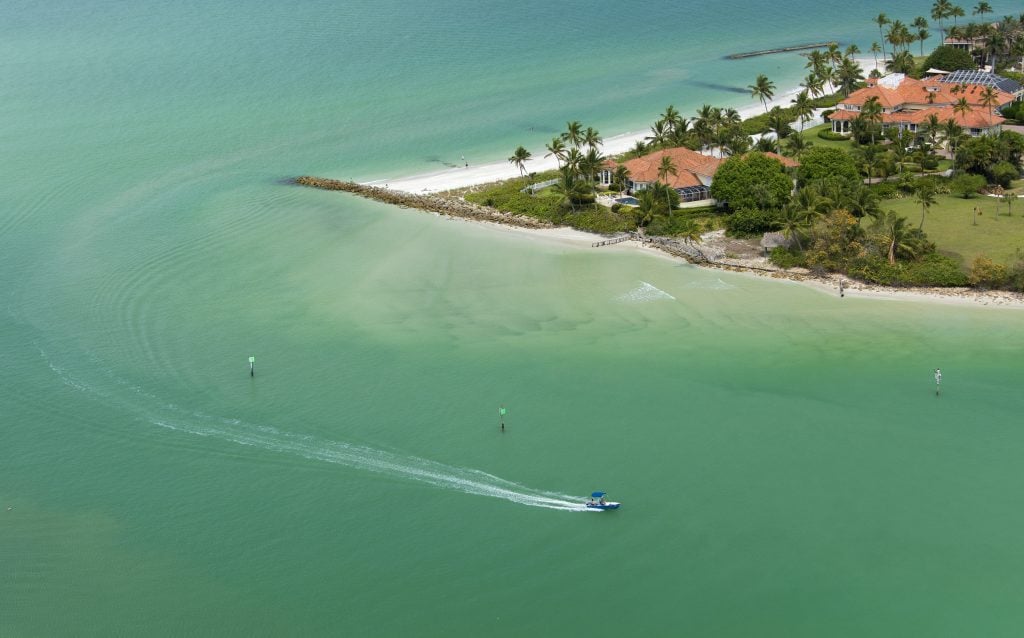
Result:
pixel 598 494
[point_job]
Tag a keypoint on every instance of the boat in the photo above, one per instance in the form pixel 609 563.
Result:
pixel 601 504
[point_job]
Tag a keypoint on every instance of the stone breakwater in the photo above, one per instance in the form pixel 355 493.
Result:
pixel 451 207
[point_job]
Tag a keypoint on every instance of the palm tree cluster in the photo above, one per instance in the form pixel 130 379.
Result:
pixel 711 128
pixel 577 152
pixel 996 42
pixel 833 67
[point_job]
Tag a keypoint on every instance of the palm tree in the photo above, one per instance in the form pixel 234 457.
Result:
pixel 778 121
pixel 925 196
pixel 763 89
pixel 957 12
pixel 893 230
pixel 952 133
pixel 923 34
pixel 834 55
pixel 941 11
pixel 962 107
pixel 902 62
pixel 814 85
pixel 660 134
pixel 556 149
pixel 590 164
pixel 851 51
pixel 802 108
pixel 519 158
pixel 794 223
pixel 592 138
pixel 573 160
pixel 989 98
pixel 766 145
pixel 796 144
pixel 981 9
pixel 570 187
pixel 647 206
pixel 881 21
pixel 621 176
pixel 573 133
pixel 932 127
pixel 897 35
pixel 875 50
pixel 849 74
pixel 639 149
pixel 872 113
pixel 666 168
pixel 671 118
pixel 689 232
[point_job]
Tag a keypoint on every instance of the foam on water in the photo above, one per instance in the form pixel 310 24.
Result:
pixel 718 284
pixel 645 292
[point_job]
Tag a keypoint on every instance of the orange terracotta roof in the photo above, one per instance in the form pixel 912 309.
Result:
pixel 689 164
pixel 979 117
pixel 922 93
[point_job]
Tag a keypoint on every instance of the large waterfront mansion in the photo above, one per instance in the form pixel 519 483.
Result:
pixel 908 103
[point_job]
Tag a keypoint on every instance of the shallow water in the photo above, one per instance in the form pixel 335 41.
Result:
pixel 784 463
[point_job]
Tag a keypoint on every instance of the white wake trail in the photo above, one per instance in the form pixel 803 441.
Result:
pixel 465 480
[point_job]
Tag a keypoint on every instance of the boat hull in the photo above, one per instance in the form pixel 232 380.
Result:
pixel 603 507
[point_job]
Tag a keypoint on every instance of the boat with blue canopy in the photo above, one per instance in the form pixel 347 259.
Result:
pixel 601 503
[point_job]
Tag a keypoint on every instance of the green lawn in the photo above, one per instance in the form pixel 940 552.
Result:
pixel 811 134
pixel 949 224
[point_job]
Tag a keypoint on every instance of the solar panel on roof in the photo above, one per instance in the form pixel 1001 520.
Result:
pixel 982 78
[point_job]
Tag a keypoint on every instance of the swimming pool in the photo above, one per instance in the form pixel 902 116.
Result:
pixel 628 201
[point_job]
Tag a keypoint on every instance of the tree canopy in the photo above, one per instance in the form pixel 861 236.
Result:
pixel 948 59
pixel 822 162
pixel 752 181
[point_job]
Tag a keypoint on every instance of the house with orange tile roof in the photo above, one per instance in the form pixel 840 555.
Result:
pixel 692 179
pixel 907 103
pixel 694 172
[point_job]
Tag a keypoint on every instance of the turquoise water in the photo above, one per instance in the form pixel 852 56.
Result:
pixel 785 465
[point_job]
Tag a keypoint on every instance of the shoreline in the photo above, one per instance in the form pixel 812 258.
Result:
pixel 425 185
pixel 829 284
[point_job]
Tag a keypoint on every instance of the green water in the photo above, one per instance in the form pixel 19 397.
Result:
pixel 785 466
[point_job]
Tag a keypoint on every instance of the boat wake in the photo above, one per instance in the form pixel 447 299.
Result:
pixel 172 417
pixel 466 480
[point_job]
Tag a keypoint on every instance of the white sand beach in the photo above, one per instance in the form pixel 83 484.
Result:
pixel 466 176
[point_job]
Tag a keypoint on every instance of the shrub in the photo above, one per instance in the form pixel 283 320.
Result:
pixel 750 222
pixel 1003 173
pixel 966 185
pixel 986 273
pixel 785 258
pixel 886 190
pixel 826 134
pixel 935 270
pixel 932 270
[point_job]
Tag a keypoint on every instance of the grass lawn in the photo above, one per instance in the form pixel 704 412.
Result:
pixel 811 134
pixel 949 224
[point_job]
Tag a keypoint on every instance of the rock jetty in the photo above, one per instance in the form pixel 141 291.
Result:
pixel 451 207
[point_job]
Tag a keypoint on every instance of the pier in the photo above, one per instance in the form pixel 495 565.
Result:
pixel 799 47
